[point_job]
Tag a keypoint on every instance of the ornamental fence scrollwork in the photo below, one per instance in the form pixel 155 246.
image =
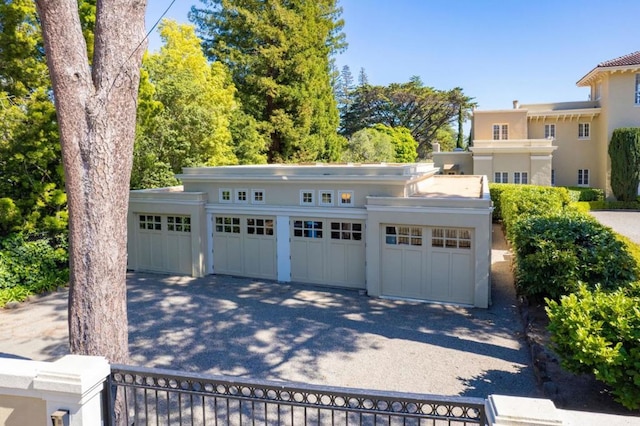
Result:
pixel 164 397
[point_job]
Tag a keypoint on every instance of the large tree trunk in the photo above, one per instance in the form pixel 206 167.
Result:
pixel 96 107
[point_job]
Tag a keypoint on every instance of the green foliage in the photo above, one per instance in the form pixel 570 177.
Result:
pixel 31 264
pixel 521 201
pixel 404 145
pixel 613 205
pixel 624 151
pixel 598 332
pixel 554 253
pixel 495 191
pixel 185 110
pixel 278 54
pixel 579 193
pixel 10 215
pixel 423 110
pixel 369 146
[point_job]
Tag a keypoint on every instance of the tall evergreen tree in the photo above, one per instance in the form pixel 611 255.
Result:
pixel 278 53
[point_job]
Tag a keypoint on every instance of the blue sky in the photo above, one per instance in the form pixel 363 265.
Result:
pixel 497 51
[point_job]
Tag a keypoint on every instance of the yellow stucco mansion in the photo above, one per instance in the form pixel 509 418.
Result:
pixel 562 143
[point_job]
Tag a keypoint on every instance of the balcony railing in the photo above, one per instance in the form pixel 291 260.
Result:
pixel 162 397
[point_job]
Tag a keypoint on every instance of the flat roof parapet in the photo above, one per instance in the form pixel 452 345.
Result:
pixel 381 170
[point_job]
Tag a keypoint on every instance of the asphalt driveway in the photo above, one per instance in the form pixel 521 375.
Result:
pixel 626 223
pixel 251 328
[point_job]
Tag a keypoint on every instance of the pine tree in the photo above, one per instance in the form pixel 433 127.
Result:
pixel 278 53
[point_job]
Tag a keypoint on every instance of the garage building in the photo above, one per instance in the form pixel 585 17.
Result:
pixel 392 230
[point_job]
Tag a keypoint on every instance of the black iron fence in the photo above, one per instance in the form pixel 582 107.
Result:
pixel 162 397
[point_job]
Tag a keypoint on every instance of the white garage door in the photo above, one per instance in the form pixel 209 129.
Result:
pixel 244 246
pixel 164 243
pixel 328 251
pixel 427 263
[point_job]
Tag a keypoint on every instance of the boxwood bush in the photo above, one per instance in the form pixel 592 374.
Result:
pixel 554 253
pixel 598 332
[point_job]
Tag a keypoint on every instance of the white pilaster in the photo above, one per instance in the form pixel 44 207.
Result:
pixel 283 248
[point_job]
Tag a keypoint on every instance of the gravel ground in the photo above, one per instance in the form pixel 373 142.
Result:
pixel 626 223
pixel 243 327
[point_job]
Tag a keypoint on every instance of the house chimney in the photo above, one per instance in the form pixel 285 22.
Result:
pixel 435 146
pixel 516 104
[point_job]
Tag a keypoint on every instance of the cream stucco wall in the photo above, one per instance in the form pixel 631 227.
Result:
pixel 483 122
pixel 169 202
pixel 464 161
pixel 22 411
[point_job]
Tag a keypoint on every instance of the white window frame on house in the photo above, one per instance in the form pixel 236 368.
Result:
pixel 521 178
pixel 549 131
pixel 242 196
pixel 584 131
pixel 325 198
pixel 225 192
pixel 307 197
pixel 500 131
pixel 501 177
pixel 345 198
pixel 637 89
pixel 583 177
pixel 257 196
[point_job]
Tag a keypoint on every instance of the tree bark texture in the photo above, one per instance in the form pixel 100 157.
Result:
pixel 96 110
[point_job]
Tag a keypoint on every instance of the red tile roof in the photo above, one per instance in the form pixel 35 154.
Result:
pixel 630 59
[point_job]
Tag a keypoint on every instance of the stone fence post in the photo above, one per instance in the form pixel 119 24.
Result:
pixel 31 391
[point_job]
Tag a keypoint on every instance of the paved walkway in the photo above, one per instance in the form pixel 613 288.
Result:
pixel 250 328
pixel 626 223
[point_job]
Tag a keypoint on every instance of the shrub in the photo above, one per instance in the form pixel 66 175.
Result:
pixel 597 332
pixel 555 253
pixel 624 151
pixel 520 201
pixel 585 194
pixel 496 190
pixel 614 205
pixel 32 264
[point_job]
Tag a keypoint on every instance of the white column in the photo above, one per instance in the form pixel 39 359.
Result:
pixel 73 383
pixel 283 248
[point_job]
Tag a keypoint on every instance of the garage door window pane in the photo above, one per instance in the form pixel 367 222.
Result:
pixel 150 223
pixel 437 237
pixel 307 229
pixel 229 225
pixel 346 231
pixel 406 235
pixel 452 238
pixel 179 223
pixel 259 226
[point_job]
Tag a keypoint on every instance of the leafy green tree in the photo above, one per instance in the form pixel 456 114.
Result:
pixel 404 145
pixel 423 110
pixel 31 173
pixel 369 146
pixel 624 151
pixel 278 53
pixel 185 110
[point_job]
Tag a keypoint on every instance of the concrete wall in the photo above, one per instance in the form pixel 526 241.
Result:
pixel 22 411
pixel 31 391
pixel 464 161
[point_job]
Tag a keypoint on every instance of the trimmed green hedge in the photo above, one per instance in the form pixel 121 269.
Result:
pixel 520 201
pixel 597 332
pixel 555 253
pixel 579 193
